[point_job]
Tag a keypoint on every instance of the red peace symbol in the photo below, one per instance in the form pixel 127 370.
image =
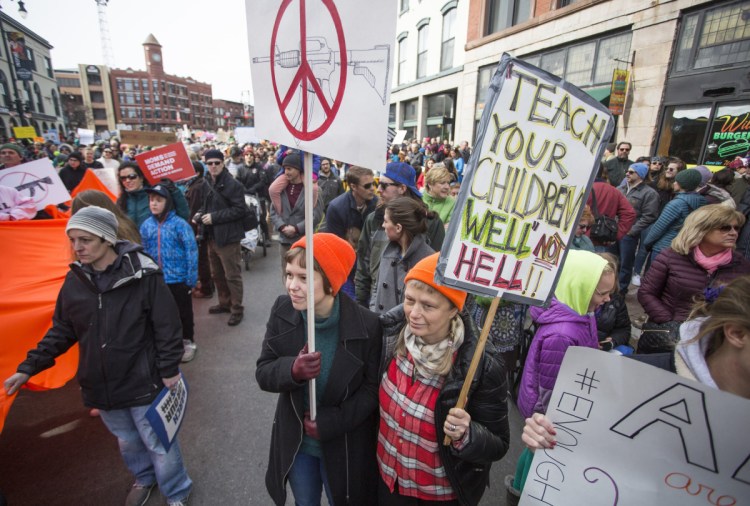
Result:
pixel 17 179
pixel 305 75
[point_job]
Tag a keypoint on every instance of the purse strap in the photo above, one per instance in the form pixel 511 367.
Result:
pixel 595 209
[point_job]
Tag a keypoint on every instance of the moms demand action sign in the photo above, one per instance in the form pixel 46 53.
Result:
pixel 538 149
pixel 171 162
pixel 633 434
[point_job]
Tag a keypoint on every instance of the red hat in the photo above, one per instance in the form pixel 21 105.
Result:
pixel 424 271
pixel 334 255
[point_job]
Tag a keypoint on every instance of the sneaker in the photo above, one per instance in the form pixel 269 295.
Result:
pixel 182 502
pixel 190 348
pixel 235 319
pixel 139 494
pixel 636 280
pixel 218 309
pixel 512 495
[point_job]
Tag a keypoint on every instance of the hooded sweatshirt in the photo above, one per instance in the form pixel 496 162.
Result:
pixel 566 322
pixel 690 356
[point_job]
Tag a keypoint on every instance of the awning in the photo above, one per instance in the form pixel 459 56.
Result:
pixel 600 94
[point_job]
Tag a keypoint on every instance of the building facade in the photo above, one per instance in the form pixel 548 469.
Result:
pixel 428 67
pixel 86 97
pixel 231 114
pixel 155 100
pixel 28 90
pixel 688 62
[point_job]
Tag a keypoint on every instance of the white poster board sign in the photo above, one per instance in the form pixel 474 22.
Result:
pixel 321 75
pixel 400 136
pixel 38 180
pixel 244 135
pixel 85 137
pixel 631 433
pixel 52 135
pixel 538 149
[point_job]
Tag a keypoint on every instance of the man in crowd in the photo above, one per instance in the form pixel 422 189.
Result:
pixel 290 221
pixel 465 151
pixel 89 160
pixel 329 184
pixel 235 161
pixel 221 216
pixel 10 155
pixel 73 171
pixel 399 180
pixel 612 203
pixel 108 159
pixel 618 165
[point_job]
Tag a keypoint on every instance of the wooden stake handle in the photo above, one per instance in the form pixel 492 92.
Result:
pixel 461 403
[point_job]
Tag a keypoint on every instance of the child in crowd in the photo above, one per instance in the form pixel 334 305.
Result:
pixel 280 183
pixel 170 241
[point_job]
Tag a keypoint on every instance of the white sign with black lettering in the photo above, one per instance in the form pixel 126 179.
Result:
pixel 38 180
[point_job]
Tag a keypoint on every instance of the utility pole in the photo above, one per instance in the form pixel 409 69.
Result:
pixel 109 58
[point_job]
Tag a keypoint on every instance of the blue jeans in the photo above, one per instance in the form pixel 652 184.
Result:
pixel 640 257
pixel 145 456
pixel 628 245
pixel 307 477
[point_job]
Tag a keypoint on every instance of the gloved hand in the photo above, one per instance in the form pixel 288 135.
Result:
pixel 311 427
pixel 306 366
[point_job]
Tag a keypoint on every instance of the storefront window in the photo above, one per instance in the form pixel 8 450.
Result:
pixel 683 132
pixel 483 86
pixel 730 133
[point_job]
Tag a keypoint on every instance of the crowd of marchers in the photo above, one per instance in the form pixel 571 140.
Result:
pixel 392 346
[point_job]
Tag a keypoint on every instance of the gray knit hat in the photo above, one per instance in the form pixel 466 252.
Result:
pixel 96 220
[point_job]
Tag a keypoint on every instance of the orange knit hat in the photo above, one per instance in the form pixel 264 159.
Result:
pixel 334 255
pixel 424 271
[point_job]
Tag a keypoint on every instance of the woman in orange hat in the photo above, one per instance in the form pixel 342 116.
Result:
pixel 429 345
pixel 336 451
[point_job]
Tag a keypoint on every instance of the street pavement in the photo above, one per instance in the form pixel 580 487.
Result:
pixel 53 453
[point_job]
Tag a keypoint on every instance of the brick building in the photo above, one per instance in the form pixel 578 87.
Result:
pixel 231 114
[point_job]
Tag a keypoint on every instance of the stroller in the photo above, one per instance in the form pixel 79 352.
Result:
pixel 253 238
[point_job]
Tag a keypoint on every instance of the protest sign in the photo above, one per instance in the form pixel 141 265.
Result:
pixel 167 412
pixel 222 136
pixel 243 135
pixel 170 162
pixel 321 82
pixel 38 180
pixel 538 148
pixel 52 135
pixel 85 137
pixel 26 132
pixel 146 138
pixel 631 433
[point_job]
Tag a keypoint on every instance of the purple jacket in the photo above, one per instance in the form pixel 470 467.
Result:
pixel 558 327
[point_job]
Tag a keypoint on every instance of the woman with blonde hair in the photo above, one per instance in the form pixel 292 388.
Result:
pixel 126 229
pixel 702 255
pixel 437 193
pixel 581 241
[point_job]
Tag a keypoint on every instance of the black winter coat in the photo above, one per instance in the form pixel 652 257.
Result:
pixel 348 414
pixel 613 320
pixel 129 335
pixel 468 470
pixel 225 201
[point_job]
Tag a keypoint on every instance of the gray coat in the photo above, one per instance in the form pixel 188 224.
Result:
pixel 294 216
pixel 645 202
pixel 388 292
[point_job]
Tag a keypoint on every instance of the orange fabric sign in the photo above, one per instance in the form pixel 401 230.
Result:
pixel 90 181
pixel 34 258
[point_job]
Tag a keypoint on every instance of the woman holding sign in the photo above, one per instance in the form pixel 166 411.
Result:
pixel 336 451
pixel 429 345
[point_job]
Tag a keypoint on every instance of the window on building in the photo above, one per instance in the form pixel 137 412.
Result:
pixel 157 113
pixel 56 102
pixel 30 56
pixel 29 99
pixel 403 48
pixel 410 117
pixel 100 114
pixel 95 79
pixel 392 116
pixel 97 97
pixel 483 85
pixel 146 98
pixel 714 37
pixel 503 14
pixel 449 39
pixel 48 67
pixel 422 36
pixel 440 115
pixel 404 5
pixel 68 82
pixel 683 130
pixel 39 99
pixel 4 90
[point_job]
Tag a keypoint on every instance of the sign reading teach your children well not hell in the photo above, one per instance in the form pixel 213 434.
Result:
pixel 321 72
pixel 662 440
pixel 171 162
pixel 538 147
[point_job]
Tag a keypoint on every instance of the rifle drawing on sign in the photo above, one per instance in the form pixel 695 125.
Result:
pixel 373 65
pixel 33 185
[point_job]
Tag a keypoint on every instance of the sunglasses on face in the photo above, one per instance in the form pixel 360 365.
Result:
pixel 366 186
pixel 584 227
pixel 383 184
pixel 131 177
pixel 728 228
pixel 631 172
pixel 624 149
pixel 214 162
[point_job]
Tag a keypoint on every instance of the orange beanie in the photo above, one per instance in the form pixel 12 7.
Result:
pixel 334 255
pixel 424 271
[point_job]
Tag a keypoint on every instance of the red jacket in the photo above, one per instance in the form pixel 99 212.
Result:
pixel 670 285
pixel 612 203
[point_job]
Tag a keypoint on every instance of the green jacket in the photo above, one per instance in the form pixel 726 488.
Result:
pixel 443 207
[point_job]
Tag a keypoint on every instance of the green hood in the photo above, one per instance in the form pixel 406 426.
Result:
pixel 580 275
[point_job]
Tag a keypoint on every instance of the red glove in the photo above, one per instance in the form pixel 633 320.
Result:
pixel 306 366
pixel 311 426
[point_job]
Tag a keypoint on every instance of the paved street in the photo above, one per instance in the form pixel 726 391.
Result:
pixel 53 453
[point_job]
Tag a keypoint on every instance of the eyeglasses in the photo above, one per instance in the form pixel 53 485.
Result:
pixel 728 228
pixel 623 149
pixel 671 169
pixel 584 227
pixel 366 186
pixel 130 177
pixel 631 172
pixel 215 162
pixel 383 184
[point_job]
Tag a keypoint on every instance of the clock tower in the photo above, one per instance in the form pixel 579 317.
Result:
pixel 152 52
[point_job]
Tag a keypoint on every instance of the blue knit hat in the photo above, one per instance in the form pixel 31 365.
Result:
pixel 641 169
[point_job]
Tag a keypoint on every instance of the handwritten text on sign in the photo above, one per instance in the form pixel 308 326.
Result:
pixel 661 440
pixel 539 146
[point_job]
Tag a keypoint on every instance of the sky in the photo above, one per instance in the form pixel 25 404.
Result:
pixel 205 40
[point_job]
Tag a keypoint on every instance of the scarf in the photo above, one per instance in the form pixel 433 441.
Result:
pixel 713 262
pixel 429 358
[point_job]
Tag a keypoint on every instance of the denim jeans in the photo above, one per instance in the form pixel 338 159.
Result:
pixel 641 256
pixel 307 479
pixel 145 456
pixel 628 245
